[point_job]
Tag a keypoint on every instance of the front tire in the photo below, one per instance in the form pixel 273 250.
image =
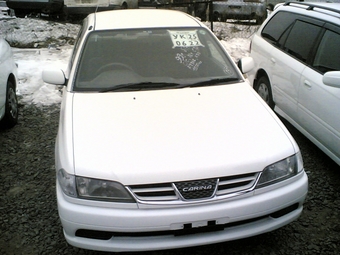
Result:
pixel 263 88
pixel 11 107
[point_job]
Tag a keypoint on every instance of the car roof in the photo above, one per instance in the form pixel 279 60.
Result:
pixel 141 18
pixel 327 12
pixel 314 9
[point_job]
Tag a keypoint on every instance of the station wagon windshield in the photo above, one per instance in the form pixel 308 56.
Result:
pixel 139 59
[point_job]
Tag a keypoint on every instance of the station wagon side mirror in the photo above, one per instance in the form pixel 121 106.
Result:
pixel 54 76
pixel 246 64
pixel 332 79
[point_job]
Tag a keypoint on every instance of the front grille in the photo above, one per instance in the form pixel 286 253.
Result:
pixel 194 189
pixel 197 189
pixel 234 184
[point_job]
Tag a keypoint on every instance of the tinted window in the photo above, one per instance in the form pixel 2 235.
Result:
pixel 277 26
pixel 328 54
pixel 301 39
pixel 150 57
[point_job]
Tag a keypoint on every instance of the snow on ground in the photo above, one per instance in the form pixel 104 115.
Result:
pixel 31 62
pixel 40 43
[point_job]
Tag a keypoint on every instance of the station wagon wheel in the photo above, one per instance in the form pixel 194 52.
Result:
pixel 11 107
pixel 112 66
pixel 263 88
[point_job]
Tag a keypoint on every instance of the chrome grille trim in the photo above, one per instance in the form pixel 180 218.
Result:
pixel 167 193
pixel 156 192
pixel 228 185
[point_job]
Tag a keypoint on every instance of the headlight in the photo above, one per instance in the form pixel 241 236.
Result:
pixel 102 190
pixel 88 188
pixel 281 170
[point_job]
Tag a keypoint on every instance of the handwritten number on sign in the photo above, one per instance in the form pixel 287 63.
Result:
pixel 185 39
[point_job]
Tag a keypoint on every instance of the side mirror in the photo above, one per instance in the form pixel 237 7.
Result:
pixel 54 76
pixel 332 79
pixel 246 64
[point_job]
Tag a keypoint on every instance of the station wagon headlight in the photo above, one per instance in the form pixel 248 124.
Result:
pixel 281 170
pixel 94 189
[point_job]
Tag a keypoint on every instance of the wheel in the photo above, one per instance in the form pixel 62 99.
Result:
pixel 111 65
pixel 124 6
pixel 11 107
pixel 264 89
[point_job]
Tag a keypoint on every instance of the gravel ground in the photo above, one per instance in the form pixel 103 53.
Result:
pixel 29 219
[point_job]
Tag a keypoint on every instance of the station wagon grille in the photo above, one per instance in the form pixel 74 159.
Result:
pixel 195 189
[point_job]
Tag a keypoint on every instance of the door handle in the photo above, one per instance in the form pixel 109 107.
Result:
pixel 307 84
pixel 273 60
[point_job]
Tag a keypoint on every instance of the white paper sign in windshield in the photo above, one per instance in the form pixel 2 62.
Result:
pixel 185 39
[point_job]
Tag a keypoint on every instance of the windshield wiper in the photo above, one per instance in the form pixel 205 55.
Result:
pixel 160 85
pixel 140 86
pixel 213 82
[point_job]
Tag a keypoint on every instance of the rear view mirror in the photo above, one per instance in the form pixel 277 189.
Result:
pixel 332 79
pixel 246 64
pixel 54 76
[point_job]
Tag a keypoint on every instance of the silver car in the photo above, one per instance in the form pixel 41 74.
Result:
pixel 26 7
pixel 240 9
pixel 4 10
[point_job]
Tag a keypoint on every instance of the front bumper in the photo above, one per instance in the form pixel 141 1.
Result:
pixel 133 229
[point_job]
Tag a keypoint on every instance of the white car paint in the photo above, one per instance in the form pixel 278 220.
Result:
pixel 317 110
pixel 174 131
pixel 302 95
pixel 146 139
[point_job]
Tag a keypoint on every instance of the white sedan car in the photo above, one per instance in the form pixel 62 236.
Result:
pixel 8 84
pixel 161 142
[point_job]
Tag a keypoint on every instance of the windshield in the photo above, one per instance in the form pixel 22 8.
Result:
pixel 152 59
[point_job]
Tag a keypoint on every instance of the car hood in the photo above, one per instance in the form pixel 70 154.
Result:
pixel 175 134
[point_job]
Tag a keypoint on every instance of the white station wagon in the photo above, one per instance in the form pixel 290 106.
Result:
pixel 161 142
pixel 297 69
